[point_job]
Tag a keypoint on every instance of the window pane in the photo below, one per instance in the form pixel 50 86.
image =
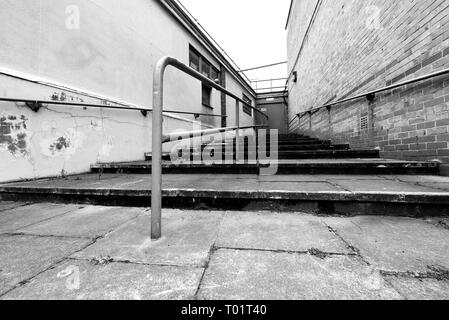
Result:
pixel 247 109
pixel 194 60
pixel 215 74
pixel 206 95
pixel 205 68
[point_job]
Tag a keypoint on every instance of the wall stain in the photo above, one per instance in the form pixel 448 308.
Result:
pixel 60 144
pixel 14 135
pixel 78 53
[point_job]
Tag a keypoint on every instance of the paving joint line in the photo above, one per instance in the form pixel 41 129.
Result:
pixel 313 252
pixel 354 249
pixel 434 273
pixel 335 184
pixel 19 206
pixel 104 261
pixel 22 234
pixel 212 250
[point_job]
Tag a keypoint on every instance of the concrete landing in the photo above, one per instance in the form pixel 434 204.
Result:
pixel 325 194
pixel 219 255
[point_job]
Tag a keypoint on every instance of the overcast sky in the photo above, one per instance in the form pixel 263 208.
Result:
pixel 251 31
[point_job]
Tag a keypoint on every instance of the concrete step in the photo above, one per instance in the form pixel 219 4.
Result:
pixel 317 166
pixel 285 147
pixel 319 194
pixel 292 141
pixel 307 154
pixel 294 154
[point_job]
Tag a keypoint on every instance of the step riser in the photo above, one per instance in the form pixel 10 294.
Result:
pixel 290 143
pixel 347 208
pixel 281 147
pixel 298 156
pixel 282 170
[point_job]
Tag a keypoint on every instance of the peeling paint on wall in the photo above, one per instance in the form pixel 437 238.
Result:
pixel 14 136
pixel 96 125
pixel 78 53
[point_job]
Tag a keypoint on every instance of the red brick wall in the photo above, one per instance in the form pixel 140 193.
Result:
pixel 354 46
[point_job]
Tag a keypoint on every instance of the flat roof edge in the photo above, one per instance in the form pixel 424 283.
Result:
pixel 289 14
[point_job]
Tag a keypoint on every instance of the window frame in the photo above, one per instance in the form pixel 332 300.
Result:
pixel 203 60
pixel 247 110
pixel 207 88
pixel 192 52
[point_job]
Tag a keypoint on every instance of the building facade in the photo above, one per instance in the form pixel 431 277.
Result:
pixel 339 49
pixel 101 52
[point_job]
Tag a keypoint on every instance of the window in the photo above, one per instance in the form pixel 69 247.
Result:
pixel 200 64
pixel 205 67
pixel 194 60
pixel 206 95
pixel 215 74
pixel 247 109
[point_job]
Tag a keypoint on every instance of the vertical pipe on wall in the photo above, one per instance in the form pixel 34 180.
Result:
pixel 223 96
pixel 237 132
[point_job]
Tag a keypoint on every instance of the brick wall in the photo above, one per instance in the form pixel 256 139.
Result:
pixel 354 46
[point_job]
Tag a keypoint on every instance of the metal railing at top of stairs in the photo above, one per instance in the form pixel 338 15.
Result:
pixel 194 134
pixel 370 95
pixel 158 138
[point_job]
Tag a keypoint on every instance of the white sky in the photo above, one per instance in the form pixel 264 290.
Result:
pixel 252 32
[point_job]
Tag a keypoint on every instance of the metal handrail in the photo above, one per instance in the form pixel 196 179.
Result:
pixel 157 134
pixel 38 104
pixel 270 88
pixel 370 95
pixel 268 80
pixel 264 66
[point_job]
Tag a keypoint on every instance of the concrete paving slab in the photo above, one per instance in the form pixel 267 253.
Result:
pixel 23 257
pixel 188 238
pixel 221 184
pixel 317 178
pixel 8 205
pixel 278 231
pixel 15 219
pixel 333 177
pixel 115 281
pixel 298 187
pixel 251 275
pixel 420 289
pixel 293 178
pixel 443 186
pixel 395 244
pixel 89 222
pixel 418 178
pixel 380 186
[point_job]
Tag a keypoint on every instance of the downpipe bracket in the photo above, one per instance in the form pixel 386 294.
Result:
pixel 34 106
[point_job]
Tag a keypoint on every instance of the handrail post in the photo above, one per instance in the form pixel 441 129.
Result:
pixel 157 134
pixel 237 132
pixel 156 167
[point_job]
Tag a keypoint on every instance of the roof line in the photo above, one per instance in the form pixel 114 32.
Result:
pixel 289 14
pixel 184 16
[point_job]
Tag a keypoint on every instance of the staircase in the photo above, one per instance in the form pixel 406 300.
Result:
pixel 297 154
pixel 313 176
